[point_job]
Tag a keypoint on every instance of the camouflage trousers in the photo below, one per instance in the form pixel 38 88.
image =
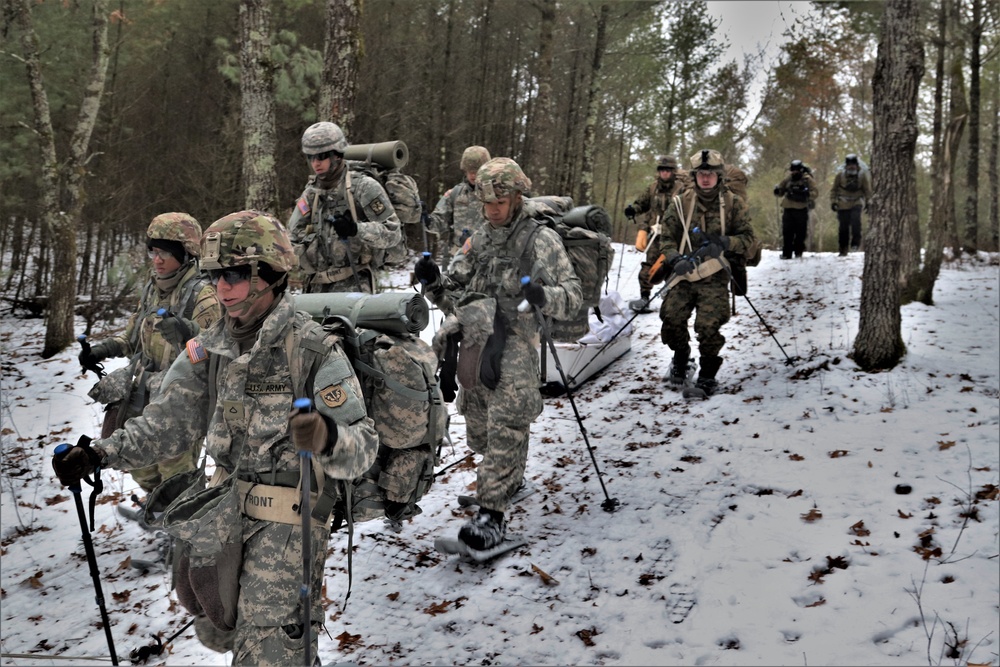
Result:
pixel 269 614
pixel 497 423
pixel 710 298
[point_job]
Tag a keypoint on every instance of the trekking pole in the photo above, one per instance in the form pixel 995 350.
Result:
pixel 88 545
pixel 610 504
pixel 139 656
pixel 788 360
pixel 305 404
pixel 96 368
pixel 621 259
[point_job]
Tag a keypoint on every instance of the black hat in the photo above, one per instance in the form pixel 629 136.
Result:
pixel 175 248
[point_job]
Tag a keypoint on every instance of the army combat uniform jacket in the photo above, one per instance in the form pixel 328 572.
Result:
pixel 457 215
pixel 248 436
pixel 324 258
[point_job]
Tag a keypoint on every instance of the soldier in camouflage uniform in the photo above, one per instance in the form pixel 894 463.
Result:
pixel 459 213
pixel 235 385
pixel 680 249
pixel 850 194
pixel 343 223
pixel 490 266
pixel 798 194
pixel 651 205
pixel 153 342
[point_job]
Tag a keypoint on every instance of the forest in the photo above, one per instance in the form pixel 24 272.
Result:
pixel 114 111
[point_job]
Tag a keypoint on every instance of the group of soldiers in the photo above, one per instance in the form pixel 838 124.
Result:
pixel 218 351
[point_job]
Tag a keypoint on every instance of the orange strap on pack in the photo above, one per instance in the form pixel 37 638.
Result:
pixel 658 270
pixel 641 238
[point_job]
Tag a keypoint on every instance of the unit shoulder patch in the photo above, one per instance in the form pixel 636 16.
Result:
pixel 334 395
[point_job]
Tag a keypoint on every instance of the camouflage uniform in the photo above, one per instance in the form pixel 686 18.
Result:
pixel 709 296
pixel 798 194
pixel 650 207
pixel 187 294
pixel 328 262
pixel 850 194
pixel 491 263
pixel 247 431
pixel 459 212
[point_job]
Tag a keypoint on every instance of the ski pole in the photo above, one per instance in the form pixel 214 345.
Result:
pixel 621 260
pixel 788 360
pixel 610 504
pixel 304 509
pixel 88 544
pixel 96 368
pixel 139 656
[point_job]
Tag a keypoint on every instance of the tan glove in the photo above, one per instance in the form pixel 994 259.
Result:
pixel 439 343
pixel 310 432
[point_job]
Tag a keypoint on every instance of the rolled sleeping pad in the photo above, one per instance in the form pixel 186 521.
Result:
pixel 391 312
pixel 388 154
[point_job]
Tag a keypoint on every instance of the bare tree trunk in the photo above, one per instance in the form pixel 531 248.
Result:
pixel 341 52
pixel 921 285
pixel 994 178
pixel 972 167
pixel 958 113
pixel 898 70
pixel 593 93
pixel 539 134
pixel 257 106
pixel 62 189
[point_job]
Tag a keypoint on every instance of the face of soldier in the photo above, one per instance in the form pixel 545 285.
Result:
pixel 664 173
pixel 234 295
pixel 498 212
pixel 164 263
pixel 470 176
pixel 320 163
pixel 707 179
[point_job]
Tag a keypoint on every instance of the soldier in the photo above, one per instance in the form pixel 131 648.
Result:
pixel 343 223
pixel 153 341
pixel 235 384
pixel 487 271
pixel 692 246
pixel 851 192
pixel 798 194
pixel 458 213
pixel 653 203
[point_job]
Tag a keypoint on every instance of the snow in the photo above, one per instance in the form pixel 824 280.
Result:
pixel 760 527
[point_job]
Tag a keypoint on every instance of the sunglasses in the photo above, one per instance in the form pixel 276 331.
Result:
pixel 664 169
pixel 158 253
pixel 319 157
pixel 232 276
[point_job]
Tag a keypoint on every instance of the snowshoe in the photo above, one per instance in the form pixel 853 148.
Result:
pixel 447 545
pixel 526 489
pixel 702 389
pixel 640 306
pixel 484 531
pixel 163 558
pixel 137 515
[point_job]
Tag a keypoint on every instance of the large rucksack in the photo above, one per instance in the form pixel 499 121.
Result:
pixel 404 195
pixel 585 232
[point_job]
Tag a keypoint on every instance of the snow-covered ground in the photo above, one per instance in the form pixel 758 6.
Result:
pixel 809 514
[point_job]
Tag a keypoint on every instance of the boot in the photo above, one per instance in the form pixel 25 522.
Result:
pixel 641 305
pixel 485 531
pixel 706 376
pixel 677 374
pixel 843 251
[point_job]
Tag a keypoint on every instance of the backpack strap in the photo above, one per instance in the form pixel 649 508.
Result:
pixel 685 221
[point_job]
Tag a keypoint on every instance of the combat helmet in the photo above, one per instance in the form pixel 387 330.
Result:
pixel 473 158
pixel 247 238
pixel 500 177
pixel 796 165
pixel 323 137
pixel 179 227
pixel 668 161
pixel 708 160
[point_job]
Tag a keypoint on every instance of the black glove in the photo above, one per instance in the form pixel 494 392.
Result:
pixel 534 294
pixel 176 330
pixel 344 226
pixel 629 211
pixel 92 355
pixel 833 207
pixel 74 463
pixel 681 265
pixel 777 190
pixel 426 271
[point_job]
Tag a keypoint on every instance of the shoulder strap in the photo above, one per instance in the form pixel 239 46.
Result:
pixel 685 222
pixel 349 189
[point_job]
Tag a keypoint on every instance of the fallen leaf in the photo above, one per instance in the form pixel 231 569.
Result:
pixel 945 444
pixel 35 580
pixel 535 628
pixel 860 530
pixel 547 579
pixel 812 515
pixel 796 457
pixel 837 453
pixel 347 640
pixel 442 607
pixel 586 635
pixel 817 603
pixel 903 516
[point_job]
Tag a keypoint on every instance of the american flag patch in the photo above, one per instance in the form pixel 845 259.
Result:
pixel 196 353
pixel 302 205
pixel 467 246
